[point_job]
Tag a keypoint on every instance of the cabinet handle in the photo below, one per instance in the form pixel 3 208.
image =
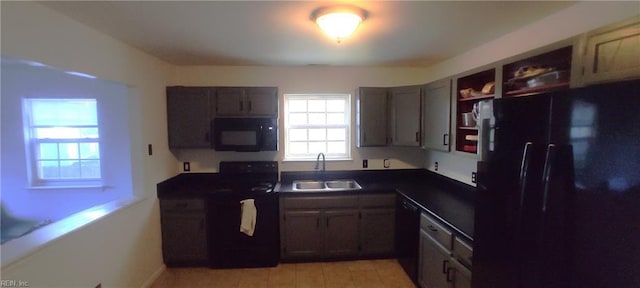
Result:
pixel 418 137
pixel 318 222
pixel 327 222
pixel 249 102
pixel 432 229
pixel 444 139
pixel 445 263
pixel 241 106
pixel 206 136
pixel 449 278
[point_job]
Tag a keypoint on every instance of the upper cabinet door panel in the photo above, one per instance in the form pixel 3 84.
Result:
pixel 229 101
pixel 188 117
pixel 436 115
pixel 405 116
pixel 262 101
pixel 372 116
pixel 613 54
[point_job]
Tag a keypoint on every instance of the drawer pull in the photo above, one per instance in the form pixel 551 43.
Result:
pixel 432 229
pixel 445 263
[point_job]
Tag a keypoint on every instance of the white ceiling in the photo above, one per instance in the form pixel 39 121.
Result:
pixel 395 33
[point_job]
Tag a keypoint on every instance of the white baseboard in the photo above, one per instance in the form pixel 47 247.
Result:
pixel 154 276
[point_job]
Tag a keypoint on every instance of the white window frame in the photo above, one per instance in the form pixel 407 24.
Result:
pixel 32 149
pixel 347 125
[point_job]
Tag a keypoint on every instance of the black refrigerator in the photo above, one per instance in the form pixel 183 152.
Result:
pixel 559 193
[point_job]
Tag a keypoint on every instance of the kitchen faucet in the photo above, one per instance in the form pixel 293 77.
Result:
pixel 324 167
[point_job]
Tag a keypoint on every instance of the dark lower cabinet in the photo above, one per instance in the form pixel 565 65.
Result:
pixel 377 231
pixel 337 226
pixel 434 264
pixel 184 233
pixel 341 236
pixel 301 234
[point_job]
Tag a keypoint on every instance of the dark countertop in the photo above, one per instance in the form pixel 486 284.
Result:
pixel 449 201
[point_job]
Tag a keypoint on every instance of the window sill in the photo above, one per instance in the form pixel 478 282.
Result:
pixel 314 160
pixel 24 246
pixel 67 187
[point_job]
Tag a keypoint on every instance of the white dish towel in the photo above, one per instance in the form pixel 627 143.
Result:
pixel 248 216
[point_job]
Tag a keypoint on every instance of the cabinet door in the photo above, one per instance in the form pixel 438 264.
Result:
pixel 377 232
pixel 436 107
pixel 405 116
pixel 460 275
pixel 372 116
pixel 303 234
pixel 262 101
pixel 229 101
pixel 184 239
pixel 341 237
pixel 188 117
pixel 613 54
pixel 434 263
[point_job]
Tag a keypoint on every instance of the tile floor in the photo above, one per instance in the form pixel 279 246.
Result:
pixel 348 274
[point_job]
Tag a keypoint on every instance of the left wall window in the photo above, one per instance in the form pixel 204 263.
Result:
pixel 63 142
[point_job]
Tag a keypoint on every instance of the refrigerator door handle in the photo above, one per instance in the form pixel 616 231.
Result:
pixel 524 171
pixel 546 176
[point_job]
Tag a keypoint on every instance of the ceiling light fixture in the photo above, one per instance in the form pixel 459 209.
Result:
pixel 338 22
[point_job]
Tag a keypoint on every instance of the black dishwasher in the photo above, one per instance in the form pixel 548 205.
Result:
pixel 407 236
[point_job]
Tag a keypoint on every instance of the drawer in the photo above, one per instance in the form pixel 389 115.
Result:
pixel 181 205
pixel 435 230
pixel 319 202
pixel 463 252
pixel 378 201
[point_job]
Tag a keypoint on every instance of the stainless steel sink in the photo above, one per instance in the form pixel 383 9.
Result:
pixel 343 184
pixel 325 186
pixel 308 185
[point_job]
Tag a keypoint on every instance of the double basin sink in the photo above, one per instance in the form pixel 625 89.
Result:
pixel 325 186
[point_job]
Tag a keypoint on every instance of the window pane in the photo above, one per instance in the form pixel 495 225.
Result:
pixel 336 134
pixel 90 168
pixel 297 105
pixel 66 133
pixel 48 151
pixel 69 151
pixel 317 118
pixel 335 105
pixel 317 147
pixel 89 151
pixel 335 118
pixel 297 118
pixel 67 112
pixel 317 134
pixel 317 105
pixel 70 169
pixel 298 148
pixel 297 134
pixel 336 147
pixel 48 169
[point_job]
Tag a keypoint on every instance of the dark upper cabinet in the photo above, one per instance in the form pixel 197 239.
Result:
pixel 247 101
pixel 189 112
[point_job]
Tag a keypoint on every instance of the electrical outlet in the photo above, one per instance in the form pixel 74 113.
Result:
pixel 150 149
pixel 474 177
pixel 365 163
pixel 186 166
pixel 435 166
pixel 386 163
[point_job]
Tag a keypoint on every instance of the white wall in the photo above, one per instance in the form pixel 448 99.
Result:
pixel 302 80
pixel 122 249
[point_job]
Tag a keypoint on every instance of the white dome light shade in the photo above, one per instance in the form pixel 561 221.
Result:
pixel 339 23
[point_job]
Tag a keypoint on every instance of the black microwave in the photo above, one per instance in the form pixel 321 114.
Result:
pixel 245 134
